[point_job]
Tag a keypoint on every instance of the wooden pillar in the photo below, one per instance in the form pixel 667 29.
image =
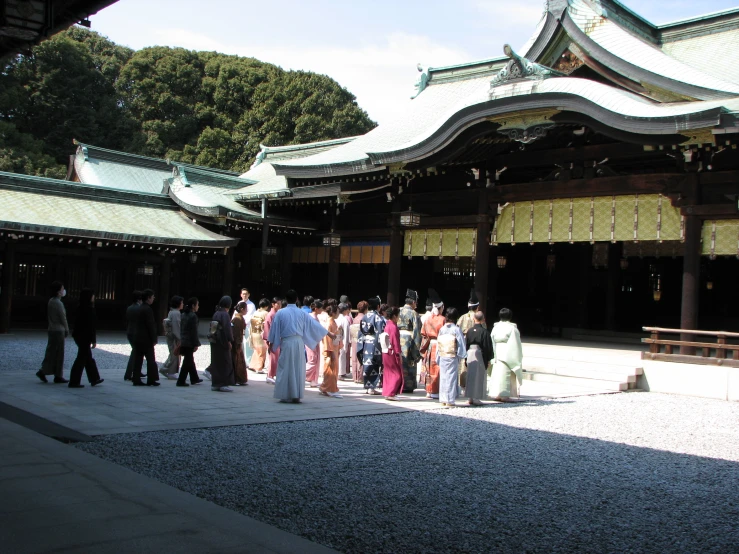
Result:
pixel 265 233
pixel 333 272
pixel 92 270
pixel 228 272
pixel 482 251
pixel 164 290
pixel 287 266
pixel 586 263
pixel 691 280
pixel 393 273
pixel 614 277
pixel 396 247
pixel 6 293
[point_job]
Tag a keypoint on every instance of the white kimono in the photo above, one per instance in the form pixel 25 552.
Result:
pixel 342 322
pixel 291 331
pixel 507 368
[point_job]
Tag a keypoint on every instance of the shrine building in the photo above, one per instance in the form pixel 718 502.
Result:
pixel 588 181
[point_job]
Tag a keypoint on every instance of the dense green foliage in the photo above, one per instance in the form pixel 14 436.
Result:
pixel 197 107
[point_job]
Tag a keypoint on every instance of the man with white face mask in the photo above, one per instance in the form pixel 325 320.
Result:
pixel 53 363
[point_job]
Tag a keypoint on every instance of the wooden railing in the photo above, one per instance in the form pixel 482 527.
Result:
pixel 706 353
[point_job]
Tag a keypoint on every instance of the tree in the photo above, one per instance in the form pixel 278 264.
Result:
pixel 196 107
pixel 64 90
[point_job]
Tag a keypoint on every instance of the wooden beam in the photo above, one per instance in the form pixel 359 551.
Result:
pixel 712 211
pixel 599 186
pixel 598 152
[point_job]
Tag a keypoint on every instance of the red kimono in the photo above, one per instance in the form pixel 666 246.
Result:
pixel 392 365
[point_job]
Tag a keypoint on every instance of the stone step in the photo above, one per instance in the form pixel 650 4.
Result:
pixel 583 373
pixel 585 383
pixel 556 365
pixel 614 358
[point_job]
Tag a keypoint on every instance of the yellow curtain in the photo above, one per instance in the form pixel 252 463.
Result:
pixel 637 217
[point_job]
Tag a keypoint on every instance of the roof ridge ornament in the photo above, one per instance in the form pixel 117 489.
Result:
pixel 522 68
pixel 423 80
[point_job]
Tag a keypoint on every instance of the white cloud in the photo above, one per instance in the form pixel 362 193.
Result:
pixel 381 75
pixel 514 14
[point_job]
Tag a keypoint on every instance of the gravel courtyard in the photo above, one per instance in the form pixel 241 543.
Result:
pixel 633 472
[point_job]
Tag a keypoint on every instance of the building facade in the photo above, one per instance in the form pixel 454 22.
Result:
pixel 588 181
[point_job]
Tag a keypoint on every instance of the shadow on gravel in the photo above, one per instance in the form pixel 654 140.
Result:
pixel 25 350
pixel 422 482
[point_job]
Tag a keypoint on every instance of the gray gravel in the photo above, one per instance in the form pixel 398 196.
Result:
pixel 25 351
pixel 616 473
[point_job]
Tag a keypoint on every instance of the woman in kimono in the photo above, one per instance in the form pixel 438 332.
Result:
pixel 357 369
pixel 313 355
pixel 172 328
pixel 507 370
pixel 392 364
pixel 450 350
pixel 479 353
pixel 221 367
pixel 256 340
pixel 429 332
pixel 238 324
pixel 330 351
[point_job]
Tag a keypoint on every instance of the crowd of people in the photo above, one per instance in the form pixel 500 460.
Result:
pixel 389 350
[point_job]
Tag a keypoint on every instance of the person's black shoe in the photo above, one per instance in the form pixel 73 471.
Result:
pixel 40 375
pixel 76 386
pixel 97 382
pixel 153 384
pixel 139 384
pixel 60 380
pixel 182 384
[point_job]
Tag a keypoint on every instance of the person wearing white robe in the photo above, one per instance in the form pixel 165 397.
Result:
pixel 450 350
pixel 291 331
pixel 251 309
pixel 507 373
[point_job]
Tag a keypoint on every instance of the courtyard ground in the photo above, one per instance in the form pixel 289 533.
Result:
pixel 632 472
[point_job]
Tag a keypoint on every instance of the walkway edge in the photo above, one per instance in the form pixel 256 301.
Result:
pixel 192 523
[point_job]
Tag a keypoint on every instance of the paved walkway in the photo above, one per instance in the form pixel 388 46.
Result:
pixel 56 498
pixel 117 407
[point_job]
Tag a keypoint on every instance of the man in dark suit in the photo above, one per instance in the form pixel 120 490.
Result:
pixel 132 316
pixel 145 337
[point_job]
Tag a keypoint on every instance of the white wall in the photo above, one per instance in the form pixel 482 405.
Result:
pixel 707 381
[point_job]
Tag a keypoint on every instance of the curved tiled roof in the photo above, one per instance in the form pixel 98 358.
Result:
pixel 54 207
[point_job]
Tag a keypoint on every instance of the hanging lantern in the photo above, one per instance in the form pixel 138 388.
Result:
pixel 193 258
pixel 502 261
pixel 551 263
pixel 624 264
pixel 657 294
pixel 332 239
pixel 709 285
pixel 410 218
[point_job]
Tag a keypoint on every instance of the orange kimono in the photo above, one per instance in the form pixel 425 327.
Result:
pixel 330 352
pixel 257 343
pixel 431 329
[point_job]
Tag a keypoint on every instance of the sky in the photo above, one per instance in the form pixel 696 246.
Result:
pixel 369 47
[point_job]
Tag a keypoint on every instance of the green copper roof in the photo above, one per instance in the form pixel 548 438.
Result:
pixel 53 207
